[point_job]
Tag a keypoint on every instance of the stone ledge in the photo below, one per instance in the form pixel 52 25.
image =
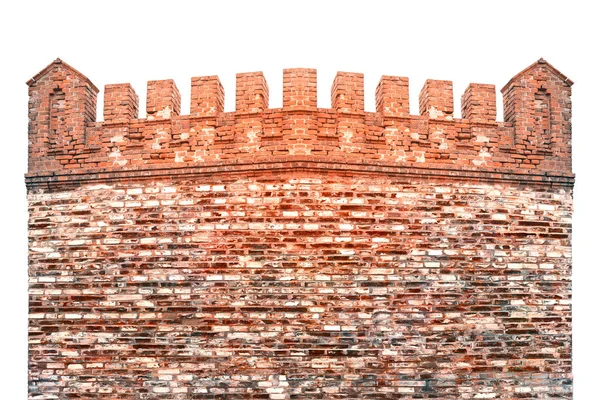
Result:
pixel 79 177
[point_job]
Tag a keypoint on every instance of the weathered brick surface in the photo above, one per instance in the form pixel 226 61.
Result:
pixel 298 255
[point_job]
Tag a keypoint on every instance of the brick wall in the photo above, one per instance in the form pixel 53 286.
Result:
pixel 299 252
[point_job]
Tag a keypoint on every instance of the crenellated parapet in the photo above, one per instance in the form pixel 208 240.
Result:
pixel 64 136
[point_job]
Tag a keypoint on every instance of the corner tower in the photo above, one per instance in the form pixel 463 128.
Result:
pixel 62 102
pixel 537 102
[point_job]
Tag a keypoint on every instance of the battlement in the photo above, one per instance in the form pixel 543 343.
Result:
pixel 64 136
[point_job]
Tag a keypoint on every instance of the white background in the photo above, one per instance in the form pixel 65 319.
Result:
pixel 127 41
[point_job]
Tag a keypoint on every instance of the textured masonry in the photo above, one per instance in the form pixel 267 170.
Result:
pixel 300 252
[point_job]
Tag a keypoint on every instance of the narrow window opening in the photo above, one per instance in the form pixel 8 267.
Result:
pixel 57 116
pixel 542 134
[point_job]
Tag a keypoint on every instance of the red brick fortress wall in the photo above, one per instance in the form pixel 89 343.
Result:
pixel 300 252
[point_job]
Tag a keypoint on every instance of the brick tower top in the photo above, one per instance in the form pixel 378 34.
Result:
pixel 66 142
